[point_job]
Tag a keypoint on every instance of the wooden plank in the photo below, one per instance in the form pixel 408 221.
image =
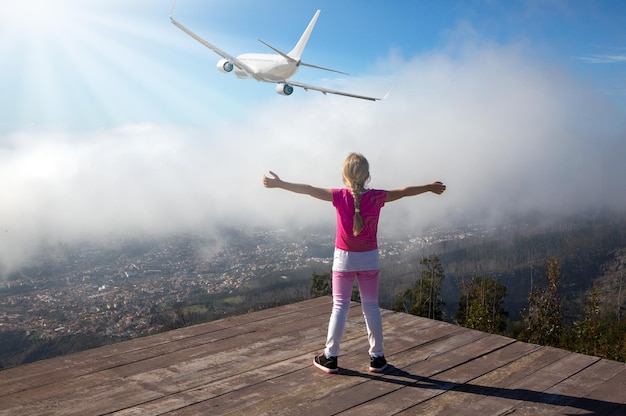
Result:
pixel 261 363
pixel 531 389
pixel 162 374
pixel 53 371
pixel 336 395
pixel 264 372
pixel 571 389
pixel 138 375
pixel 472 360
pixel 460 399
pixel 240 395
pixel 467 382
pixel 601 390
pixel 282 393
pixel 354 325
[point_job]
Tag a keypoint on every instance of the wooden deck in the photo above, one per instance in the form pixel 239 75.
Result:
pixel 260 364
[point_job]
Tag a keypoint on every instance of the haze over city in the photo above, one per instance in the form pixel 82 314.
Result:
pixel 114 122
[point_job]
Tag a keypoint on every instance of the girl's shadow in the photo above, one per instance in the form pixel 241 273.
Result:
pixel 403 378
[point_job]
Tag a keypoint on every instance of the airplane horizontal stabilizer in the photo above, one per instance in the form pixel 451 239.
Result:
pixel 321 67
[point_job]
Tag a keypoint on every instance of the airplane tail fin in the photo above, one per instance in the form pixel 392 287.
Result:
pixel 296 52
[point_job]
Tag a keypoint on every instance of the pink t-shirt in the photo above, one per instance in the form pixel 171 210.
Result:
pixel 372 201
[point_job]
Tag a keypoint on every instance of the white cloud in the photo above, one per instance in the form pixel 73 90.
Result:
pixel 506 134
pixel 602 59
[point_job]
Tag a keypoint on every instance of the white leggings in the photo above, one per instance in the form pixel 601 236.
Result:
pixel 342 291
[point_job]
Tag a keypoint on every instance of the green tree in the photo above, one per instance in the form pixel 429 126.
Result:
pixel 542 321
pixel 598 333
pixel 481 305
pixel 585 335
pixel 321 285
pixel 424 298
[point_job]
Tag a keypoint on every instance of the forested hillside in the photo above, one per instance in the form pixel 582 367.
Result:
pixel 591 249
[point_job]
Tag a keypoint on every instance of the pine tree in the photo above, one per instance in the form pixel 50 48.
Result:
pixel 586 333
pixel 598 333
pixel 481 305
pixel 321 285
pixel 543 319
pixel 424 298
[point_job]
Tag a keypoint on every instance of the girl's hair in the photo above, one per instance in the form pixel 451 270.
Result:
pixel 356 174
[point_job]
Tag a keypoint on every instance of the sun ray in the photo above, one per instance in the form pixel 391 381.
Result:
pixel 38 18
pixel 84 64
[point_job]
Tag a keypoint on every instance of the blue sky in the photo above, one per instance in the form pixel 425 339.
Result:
pixel 113 121
pixel 99 64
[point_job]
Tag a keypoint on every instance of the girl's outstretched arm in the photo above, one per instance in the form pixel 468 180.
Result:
pixel 299 188
pixel 435 187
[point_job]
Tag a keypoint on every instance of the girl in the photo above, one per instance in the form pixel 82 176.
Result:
pixel 356 252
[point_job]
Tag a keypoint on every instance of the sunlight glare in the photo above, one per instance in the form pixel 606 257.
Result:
pixel 35 18
pixel 69 64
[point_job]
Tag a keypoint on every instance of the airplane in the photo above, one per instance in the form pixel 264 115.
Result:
pixel 274 68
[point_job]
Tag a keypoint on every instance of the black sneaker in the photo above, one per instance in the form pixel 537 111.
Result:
pixel 327 365
pixel 378 364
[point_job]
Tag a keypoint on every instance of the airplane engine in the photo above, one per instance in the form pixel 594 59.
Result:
pixel 284 88
pixel 224 66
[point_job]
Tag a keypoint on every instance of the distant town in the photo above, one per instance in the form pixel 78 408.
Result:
pixel 113 287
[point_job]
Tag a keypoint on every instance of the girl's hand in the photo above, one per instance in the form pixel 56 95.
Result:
pixel 437 187
pixel 271 182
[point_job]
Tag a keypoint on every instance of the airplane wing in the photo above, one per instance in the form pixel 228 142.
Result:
pixel 325 91
pixel 217 50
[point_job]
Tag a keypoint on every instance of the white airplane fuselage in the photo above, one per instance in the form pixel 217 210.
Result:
pixel 276 68
pixel 269 67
